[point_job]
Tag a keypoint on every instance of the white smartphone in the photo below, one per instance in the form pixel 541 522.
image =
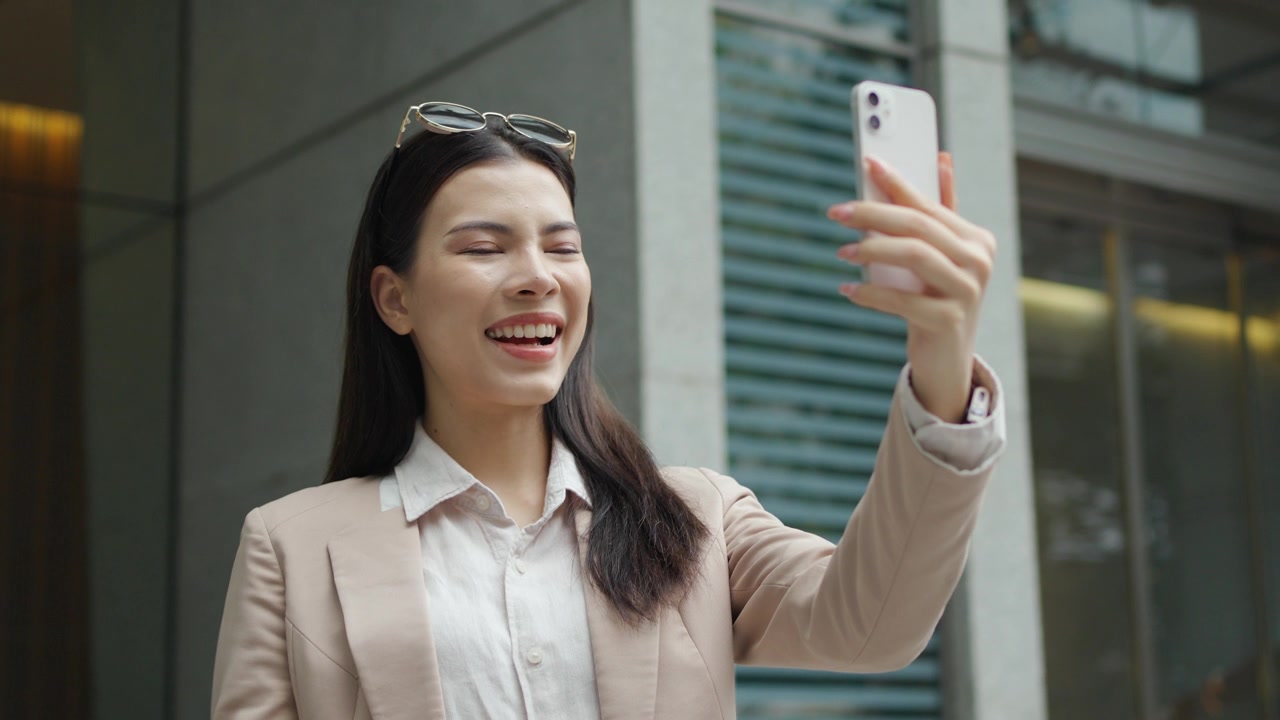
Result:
pixel 898 125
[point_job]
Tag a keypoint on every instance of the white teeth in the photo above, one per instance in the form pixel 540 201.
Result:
pixel 539 330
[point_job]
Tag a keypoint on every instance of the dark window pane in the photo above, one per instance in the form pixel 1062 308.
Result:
pixel 1196 509
pixel 1077 463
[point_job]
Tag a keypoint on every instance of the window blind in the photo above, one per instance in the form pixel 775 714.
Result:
pixel 809 375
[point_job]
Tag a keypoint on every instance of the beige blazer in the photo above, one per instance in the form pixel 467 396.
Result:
pixel 326 614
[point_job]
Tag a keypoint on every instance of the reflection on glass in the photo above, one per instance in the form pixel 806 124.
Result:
pixel 44 607
pixel 1077 463
pixel 1194 68
pixel 87 170
pixel 1196 494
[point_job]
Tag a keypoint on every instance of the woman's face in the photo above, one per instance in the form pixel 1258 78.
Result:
pixel 496 300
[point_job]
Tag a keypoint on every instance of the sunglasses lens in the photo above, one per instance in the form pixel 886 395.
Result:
pixel 539 129
pixel 453 116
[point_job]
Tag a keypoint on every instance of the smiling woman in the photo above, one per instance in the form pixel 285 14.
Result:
pixel 493 539
pixel 498 259
pixel 470 233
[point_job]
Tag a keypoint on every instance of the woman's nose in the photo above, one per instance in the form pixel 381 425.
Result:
pixel 532 277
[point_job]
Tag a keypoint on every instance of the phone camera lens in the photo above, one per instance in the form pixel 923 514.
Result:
pixel 874 99
pixel 875 122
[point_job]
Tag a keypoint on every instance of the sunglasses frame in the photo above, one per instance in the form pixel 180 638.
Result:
pixel 571 146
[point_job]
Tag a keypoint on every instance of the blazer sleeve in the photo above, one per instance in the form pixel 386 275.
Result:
pixel 871 602
pixel 251 669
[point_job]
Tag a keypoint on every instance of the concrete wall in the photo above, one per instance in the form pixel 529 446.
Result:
pixel 678 233
pixel 994 664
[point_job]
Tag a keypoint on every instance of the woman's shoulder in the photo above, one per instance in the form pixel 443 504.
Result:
pixel 710 490
pixel 325 507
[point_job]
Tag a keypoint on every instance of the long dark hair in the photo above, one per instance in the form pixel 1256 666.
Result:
pixel 644 540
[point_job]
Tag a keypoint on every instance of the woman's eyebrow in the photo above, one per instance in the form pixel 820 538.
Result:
pixel 556 227
pixel 501 229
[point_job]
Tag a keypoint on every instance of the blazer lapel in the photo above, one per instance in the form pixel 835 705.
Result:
pixel 626 658
pixel 377 567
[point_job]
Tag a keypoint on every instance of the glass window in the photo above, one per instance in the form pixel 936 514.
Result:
pixel 1192 638
pixel 1196 68
pixel 1196 510
pixel 1079 490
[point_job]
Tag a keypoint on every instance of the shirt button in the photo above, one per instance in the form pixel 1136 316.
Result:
pixel 482 502
pixel 534 657
pixel 520 567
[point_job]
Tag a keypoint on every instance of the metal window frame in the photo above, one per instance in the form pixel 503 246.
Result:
pixel 1132 478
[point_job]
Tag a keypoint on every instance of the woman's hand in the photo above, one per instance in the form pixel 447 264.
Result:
pixel 950 254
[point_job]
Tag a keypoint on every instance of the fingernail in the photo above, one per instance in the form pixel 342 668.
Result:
pixel 849 288
pixel 848 252
pixel 843 211
pixel 874 164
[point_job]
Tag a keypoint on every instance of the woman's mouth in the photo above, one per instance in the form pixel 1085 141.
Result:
pixel 529 334
pixel 536 342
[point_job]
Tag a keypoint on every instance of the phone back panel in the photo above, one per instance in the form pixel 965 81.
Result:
pixel 907 136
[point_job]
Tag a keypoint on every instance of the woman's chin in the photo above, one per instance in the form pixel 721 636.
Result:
pixel 526 392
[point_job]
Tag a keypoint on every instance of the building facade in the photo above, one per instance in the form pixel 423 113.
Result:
pixel 180 186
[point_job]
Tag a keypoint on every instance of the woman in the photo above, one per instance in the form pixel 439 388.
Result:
pixel 493 540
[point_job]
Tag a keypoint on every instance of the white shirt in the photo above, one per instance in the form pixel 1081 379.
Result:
pixel 508 613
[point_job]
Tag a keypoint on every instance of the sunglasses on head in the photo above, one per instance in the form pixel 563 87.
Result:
pixel 447 118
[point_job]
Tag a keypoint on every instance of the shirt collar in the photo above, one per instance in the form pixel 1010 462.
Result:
pixel 427 476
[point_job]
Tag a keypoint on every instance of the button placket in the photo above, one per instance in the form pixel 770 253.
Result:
pixel 518 551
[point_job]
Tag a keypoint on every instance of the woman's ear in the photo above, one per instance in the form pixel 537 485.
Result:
pixel 389 296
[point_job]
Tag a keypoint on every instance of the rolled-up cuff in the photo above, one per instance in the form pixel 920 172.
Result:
pixel 965 448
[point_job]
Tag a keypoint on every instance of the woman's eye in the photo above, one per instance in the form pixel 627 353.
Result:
pixel 567 251
pixel 481 251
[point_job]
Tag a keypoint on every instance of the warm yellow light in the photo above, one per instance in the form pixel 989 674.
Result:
pixel 1085 303
pixel 40 147
pixel 1089 304
pixel 30 120
pixel 1264 334
pixel 1208 323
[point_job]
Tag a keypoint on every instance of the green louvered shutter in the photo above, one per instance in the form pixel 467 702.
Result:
pixel 809 376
